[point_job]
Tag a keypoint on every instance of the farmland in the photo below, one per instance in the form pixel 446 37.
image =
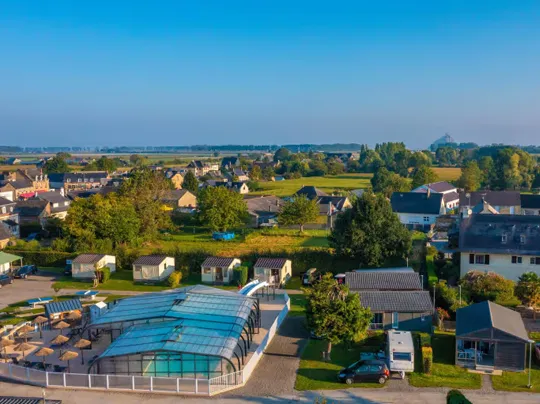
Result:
pixel 447 173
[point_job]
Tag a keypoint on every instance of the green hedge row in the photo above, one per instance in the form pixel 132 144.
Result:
pixel 44 258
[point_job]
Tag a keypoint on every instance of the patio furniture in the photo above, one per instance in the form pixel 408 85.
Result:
pixel 87 294
pixel 23 347
pixel 81 344
pixel 43 352
pixel 67 356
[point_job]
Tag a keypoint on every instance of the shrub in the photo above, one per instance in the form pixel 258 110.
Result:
pixel 105 274
pixel 427 359
pixel 456 397
pixel 240 275
pixel 424 339
pixel 174 279
pixel 44 258
pixel 491 286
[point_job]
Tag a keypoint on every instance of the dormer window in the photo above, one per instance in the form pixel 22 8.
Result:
pixel 68 180
pixel 522 239
pixel 79 180
pixel 504 238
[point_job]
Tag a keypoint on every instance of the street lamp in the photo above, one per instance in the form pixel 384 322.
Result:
pixel 531 342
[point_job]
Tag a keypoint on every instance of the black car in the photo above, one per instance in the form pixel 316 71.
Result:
pixel 5 280
pixel 24 271
pixel 365 371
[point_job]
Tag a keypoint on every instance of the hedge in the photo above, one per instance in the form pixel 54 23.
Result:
pixel 105 274
pixel 424 339
pixel 456 397
pixel 427 359
pixel 240 275
pixel 45 258
pixel 174 279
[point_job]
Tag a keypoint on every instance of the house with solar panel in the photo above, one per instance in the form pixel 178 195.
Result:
pixel 195 332
pixel 152 268
pixel 218 270
pixel 275 271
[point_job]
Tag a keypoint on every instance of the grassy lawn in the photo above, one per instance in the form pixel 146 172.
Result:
pixel 316 374
pixel 447 173
pixel 295 283
pixel 120 280
pixel 430 265
pixel 298 305
pixel 444 372
pixel 328 184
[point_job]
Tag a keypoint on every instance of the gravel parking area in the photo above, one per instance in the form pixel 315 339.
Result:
pixel 276 372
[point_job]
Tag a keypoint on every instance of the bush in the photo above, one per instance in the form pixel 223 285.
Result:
pixel 45 258
pixel 456 397
pixel 424 339
pixel 427 359
pixel 105 274
pixel 481 286
pixel 174 279
pixel 240 275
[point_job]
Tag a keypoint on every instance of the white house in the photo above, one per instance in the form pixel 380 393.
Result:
pixel 418 209
pixel 84 266
pixel 505 244
pixel 275 271
pixel 218 269
pixel 450 192
pixel 152 268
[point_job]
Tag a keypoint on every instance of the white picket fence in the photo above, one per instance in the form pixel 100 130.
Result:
pixel 205 387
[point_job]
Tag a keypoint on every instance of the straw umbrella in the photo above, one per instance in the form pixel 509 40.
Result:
pixel 82 343
pixel 59 340
pixel 5 342
pixel 43 352
pixel 25 329
pixel 40 320
pixel 67 356
pixel 74 315
pixel 60 326
pixel 23 347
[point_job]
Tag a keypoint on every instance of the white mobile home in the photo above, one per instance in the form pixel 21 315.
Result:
pixel 152 268
pixel 218 269
pixel 84 266
pixel 275 271
pixel 400 351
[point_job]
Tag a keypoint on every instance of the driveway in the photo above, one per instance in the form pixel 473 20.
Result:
pixel 24 289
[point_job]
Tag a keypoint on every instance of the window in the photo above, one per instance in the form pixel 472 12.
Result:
pixel 375 368
pixel 422 317
pixel 377 320
pixel 504 238
pixel 426 218
pixel 138 268
pixel 516 259
pixel 395 320
pixel 3 209
pixel 401 356
pixel 535 260
pixel 207 271
pixel 479 259
pixel 522 239
pixel 362 369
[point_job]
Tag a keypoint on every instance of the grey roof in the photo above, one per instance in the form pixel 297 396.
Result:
pixel 217 262
pixel 62 307
pixel 441 186
pixel 26 400
pixel 271 263
pixel 88 258
pixel 337 201
pixel 264 205
pixel 416 202
pixel 487 315
pixel 175 194
pixel 383 280
pixel 494 198
pixel 6 202
pixel 417 301
pixel 225 161
pixel 52 197
pixel 150 260
pixel 31 207
pixel 500 234
pixel 4 233
pixel 89 176
pixel 450 196
pixel 530 201
pixel 311 192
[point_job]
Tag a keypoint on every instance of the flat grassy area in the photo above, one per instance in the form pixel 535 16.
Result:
pixel 316 374
pixel 430 265
pixel 329 184
pixel 295 283
pixel 298 305
pixel 447 173
pixel 444 372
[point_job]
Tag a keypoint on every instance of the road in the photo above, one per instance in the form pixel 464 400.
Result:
pixel 24 289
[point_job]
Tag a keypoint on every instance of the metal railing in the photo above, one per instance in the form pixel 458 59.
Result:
pixel 226 382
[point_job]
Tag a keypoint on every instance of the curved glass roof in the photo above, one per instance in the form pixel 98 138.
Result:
pixel 197 320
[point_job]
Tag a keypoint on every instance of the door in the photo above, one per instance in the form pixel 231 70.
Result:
pixel 218 275
pixel 395 320
pixel 362 374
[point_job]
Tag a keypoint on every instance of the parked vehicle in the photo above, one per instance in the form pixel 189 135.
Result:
pixel 25 271
pixel 365 371
pixel 340 278
pixel 5 280
pixel 311 276
pixel 68 269
pixel 400 352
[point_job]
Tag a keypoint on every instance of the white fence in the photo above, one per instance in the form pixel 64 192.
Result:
pixel 173 385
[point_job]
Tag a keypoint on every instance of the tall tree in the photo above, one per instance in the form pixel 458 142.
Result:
pixel 255 173
pixel 423 175
pixel 137 160
pixel 298 211
pixel 268 173
pixel 56 165
pixel 190 182
pixel 471 176
pixel 370 232
pixel 282 154
pixel 335 314
pixel 221 209
pixel 528 290
pixel 387 182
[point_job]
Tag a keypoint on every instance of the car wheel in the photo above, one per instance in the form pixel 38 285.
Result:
pixel 348 380
pixel 382 380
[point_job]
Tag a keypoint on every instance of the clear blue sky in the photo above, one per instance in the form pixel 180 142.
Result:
pixel 220 72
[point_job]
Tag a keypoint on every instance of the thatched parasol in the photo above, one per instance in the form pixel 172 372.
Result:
pixel 43 352
pixel 5 342
pixel 67 356
pixel 59 340
pixel 60 326
pixel 23 347
pixel 25 329
pixel 82 343
pixel 40 320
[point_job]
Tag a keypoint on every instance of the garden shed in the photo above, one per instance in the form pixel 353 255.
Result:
pixel 152 268
pixel 490 336
pixel 218 269
pixel 275 271
pixel 84 266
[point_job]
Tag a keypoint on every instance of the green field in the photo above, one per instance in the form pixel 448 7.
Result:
pixel 447 173
pixel 330 184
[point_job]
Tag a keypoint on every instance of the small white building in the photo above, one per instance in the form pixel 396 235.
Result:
pixel 84 266
pixel 152 268
pixel 275 271
pixel 218 269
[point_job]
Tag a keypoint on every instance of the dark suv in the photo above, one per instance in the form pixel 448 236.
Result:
pixel 5 280
pixel 365 371
pixel 25 271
